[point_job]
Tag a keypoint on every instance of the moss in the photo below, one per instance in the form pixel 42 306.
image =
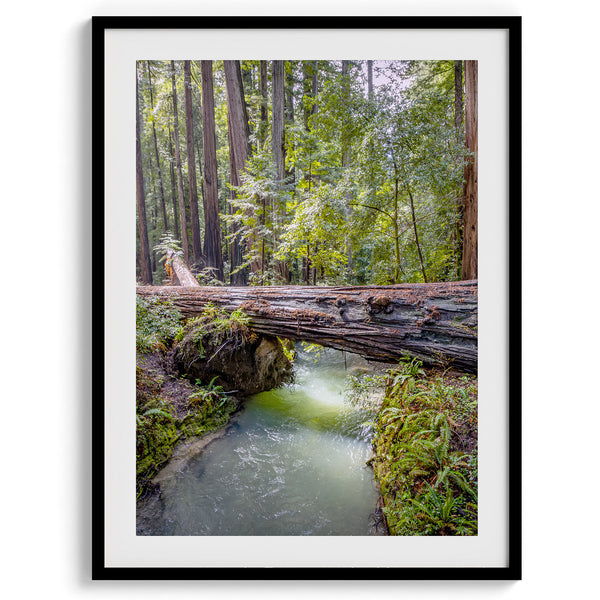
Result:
pixel 426 452
pixel 157 435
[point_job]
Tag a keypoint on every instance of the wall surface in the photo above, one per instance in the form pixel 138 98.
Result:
pixel 46 358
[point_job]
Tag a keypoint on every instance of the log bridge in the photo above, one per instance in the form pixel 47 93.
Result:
pixel 434 322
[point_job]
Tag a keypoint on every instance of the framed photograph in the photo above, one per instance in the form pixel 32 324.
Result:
pixel 308 332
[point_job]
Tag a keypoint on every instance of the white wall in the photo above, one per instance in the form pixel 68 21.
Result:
pixel 46 365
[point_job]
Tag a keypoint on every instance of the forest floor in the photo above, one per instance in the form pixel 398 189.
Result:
pixel 171 388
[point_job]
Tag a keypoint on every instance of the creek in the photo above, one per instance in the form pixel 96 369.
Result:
pixel 292 462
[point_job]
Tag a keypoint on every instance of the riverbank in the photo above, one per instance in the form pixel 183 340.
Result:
pixel 191 376
pixel 292 462
pixel 425 452
pixel 170 410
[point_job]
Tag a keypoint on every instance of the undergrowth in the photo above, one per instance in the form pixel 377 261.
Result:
pixel 158 324
pixel 159 424
pixel 425 459
pixel 159 429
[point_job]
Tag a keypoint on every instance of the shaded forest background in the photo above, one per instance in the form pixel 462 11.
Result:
pixel 307 172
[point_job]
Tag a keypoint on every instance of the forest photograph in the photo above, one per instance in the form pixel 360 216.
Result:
pixel 306 297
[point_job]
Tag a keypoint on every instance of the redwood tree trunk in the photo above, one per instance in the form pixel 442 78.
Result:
pixel 141 197
pixel 458 123
pixel 173 186
pixel 264 101
pixel 346 156
pixel 239 138
pixel 469 259
pixel 160 178
pixel 180 193
pixel 279 117
pixel 189 138
pixel 212 232
pixel 237 276
pixel 435 322
pixel 279 148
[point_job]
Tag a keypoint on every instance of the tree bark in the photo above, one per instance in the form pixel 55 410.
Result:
pixel 173 186
pixel 458 123
pixel 182 275
pixel 180 193
pixel 160 178
pixel 279 117
pixel 289 110
pixel 278 139
pixel 237 276
pixel 140 196
pixel 212 232
pixel 458 94
pixel 469 258
pixel 346 152
pixel 264 101
pixel 192 185
pixel 239 134
pixel 435 322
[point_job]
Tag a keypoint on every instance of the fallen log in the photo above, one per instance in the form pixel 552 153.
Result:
pixel 434 322
pixel 181 274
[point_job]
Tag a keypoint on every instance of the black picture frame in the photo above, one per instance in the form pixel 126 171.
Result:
pixel 513 570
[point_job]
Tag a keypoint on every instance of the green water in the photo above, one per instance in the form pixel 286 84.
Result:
pixel 293 463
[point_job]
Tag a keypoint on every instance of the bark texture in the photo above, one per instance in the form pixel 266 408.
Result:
pixel 192 184
pixel 239 133
pixel 141 197
pixel 156 154
pixel 469 259
pixel 436 322
pixel 181 274
pixel 279 117
pixel 212 233
pixel 180 195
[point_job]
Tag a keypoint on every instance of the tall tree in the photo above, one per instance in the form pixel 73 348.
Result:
pixel 239 276
pixel 345 143
pixel 173 184
pixel 278 140
pixel 458 123
pixel 140 196
pixel 180 194
pixel 289 108
pixel 239 142
pixel 160 178
pixel 189 137
pixel 469 259
pixel 264 100
pixel 212 233
pixel 458 94
pixel 279 118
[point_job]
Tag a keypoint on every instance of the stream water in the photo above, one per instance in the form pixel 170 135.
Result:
pixel 292 463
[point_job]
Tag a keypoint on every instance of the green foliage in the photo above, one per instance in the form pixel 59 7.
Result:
pixel 158 324
pixel 358 165
pixel 426 453
pixel 167 244
pixel 315 349
pixel 363 390
pixel 211 397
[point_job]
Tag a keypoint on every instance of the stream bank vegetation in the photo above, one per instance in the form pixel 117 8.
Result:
pixel 172 404
pixel 425 451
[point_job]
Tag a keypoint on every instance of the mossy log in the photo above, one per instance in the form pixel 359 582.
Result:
pixel 434 322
